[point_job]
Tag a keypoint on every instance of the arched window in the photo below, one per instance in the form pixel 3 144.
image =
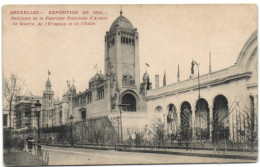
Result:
pixel 202 121
pixel 158 109
pixel 186 121
pixel 220 118
pixel 172 120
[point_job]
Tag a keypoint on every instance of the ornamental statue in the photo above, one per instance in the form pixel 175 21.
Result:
pixel 128 79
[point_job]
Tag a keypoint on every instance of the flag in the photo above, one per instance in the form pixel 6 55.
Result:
pixel 147 64
pixel 164 78
pixel 96 67
pixel 49 73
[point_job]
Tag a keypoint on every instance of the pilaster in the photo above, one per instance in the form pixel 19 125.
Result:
pixel 137 63
pixel 193 121
pixel 118 59
pixel 210 122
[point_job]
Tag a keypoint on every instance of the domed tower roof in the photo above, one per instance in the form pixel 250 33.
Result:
pixel 48 83
pixel 121 22
pixel 145 77
pixel 97 77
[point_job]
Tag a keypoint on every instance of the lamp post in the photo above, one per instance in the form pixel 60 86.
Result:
pixel 120 118
pixel 192 72
pixel 71 140
pixel 38 112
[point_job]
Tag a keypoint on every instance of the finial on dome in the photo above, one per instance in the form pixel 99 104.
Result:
pixel 121 12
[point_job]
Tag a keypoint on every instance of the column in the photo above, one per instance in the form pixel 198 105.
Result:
pixel 210 122
pixel 118 59
pixel 256 111
pixel 137 63
pixel 193 122
pixel 178 118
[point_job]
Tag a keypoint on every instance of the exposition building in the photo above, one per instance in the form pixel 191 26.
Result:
pixel 122 101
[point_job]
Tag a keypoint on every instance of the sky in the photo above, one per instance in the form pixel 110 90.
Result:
pixel 169 35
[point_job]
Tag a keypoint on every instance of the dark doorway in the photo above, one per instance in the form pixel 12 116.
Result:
pixel 83 115
pixel 130 102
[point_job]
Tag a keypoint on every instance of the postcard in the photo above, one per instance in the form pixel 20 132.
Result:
pixel 130 84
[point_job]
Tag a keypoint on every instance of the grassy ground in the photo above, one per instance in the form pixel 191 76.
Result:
pixel 20 158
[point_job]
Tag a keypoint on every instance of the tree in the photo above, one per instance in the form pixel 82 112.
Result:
pixel 158 132
pixel 12 87
pixel 247 122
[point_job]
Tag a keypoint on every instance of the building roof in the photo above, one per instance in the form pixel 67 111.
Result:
pixel 97 77
pixel 121 22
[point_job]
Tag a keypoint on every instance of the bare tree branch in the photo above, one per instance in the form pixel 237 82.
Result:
pixel 12 87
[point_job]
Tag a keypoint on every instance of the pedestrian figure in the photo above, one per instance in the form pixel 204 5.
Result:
pixel 29 141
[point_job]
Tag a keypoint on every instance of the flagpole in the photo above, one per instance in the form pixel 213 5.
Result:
pixel 178 74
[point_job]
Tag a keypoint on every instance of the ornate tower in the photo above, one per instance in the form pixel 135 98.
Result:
pixel 47 105
pixel 122 53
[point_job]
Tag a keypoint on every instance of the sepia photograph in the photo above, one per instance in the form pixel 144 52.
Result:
pixel 129 84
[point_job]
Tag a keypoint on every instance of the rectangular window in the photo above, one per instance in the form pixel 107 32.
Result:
pixel 5 120
pixel 133 41
pixel 123 39
pixel 126 40
pixel 83 99
pixel 113 41
pixel 83 115
pixel 100 93
pixel 89 97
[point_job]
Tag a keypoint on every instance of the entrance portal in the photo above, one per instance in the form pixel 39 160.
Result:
pixel 130 102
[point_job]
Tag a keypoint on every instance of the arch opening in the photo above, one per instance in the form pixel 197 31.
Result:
pixel 158 109
pixel 202 122
pixel 220 119
pixel 172 124
pixel 130 103
pixel 186 121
